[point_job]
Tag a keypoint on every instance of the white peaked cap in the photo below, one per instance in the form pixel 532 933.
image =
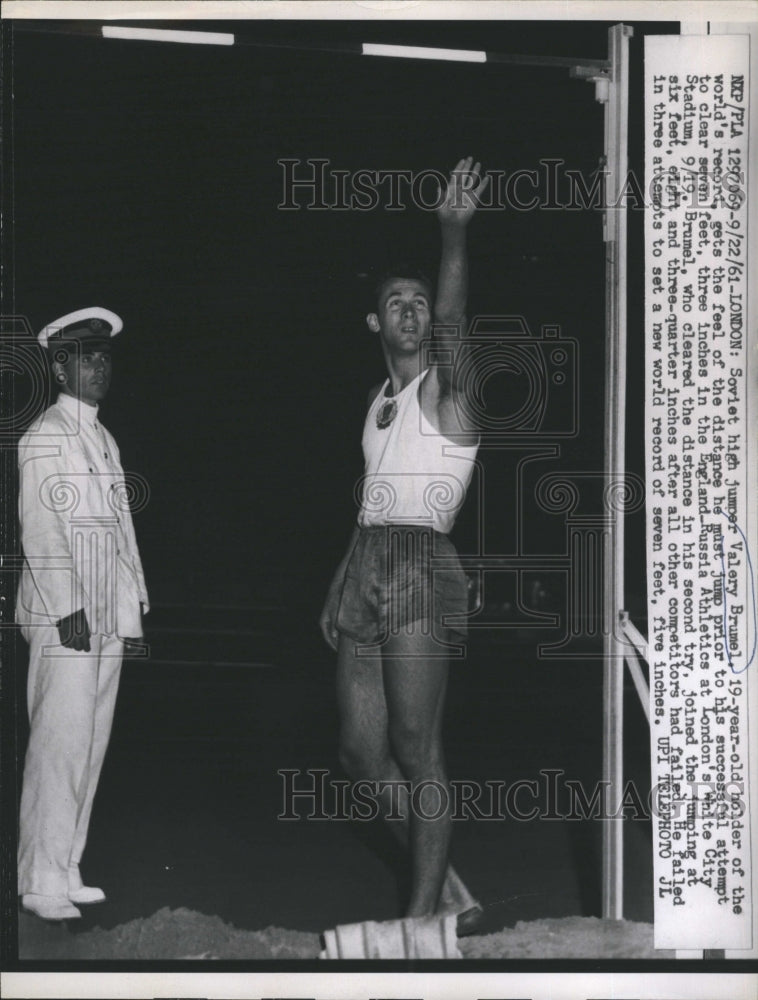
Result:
pixel 93 322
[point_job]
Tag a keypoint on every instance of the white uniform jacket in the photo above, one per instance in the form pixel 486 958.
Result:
pixel 80 549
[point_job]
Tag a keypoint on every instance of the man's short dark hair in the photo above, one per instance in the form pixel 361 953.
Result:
pixel 402 269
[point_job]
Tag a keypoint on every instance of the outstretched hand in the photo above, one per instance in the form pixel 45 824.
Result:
pixel 464 193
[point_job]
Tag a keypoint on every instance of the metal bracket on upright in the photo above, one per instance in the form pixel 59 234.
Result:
pixel 612 91
pixel 592 74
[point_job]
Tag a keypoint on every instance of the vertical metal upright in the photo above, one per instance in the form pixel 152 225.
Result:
pixel 612 90
pixel 615 235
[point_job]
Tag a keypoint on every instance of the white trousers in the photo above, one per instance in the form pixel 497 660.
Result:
pixel 71 697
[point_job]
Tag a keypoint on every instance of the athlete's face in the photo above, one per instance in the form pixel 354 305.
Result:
pixel 86 372
pixel 404 315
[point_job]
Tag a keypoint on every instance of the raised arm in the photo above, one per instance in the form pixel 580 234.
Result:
pixel 461 200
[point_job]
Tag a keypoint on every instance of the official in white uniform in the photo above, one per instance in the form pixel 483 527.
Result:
pixel 80 602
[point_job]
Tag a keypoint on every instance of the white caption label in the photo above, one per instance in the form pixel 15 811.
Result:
pixel 701 604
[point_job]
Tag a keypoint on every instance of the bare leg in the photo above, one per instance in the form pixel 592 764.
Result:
pixel 415 680
pixel 366 752
pixel 364 739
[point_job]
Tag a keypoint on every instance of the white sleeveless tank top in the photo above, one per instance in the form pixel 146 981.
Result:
pixel 413 474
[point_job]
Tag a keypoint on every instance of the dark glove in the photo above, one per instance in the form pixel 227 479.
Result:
pixel 74 631
pixel 134 647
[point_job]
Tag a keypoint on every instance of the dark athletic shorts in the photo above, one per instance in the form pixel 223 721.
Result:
pixel 399 575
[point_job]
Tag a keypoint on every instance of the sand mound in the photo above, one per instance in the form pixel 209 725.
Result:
pixel 569 937
pixel 167 935
pixel 185 934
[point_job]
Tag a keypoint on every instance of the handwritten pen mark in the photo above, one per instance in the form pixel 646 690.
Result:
pixel 733 522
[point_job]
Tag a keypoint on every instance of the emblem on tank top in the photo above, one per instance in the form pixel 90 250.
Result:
pixel 386 413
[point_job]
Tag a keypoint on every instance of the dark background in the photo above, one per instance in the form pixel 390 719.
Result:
pixel 145 179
